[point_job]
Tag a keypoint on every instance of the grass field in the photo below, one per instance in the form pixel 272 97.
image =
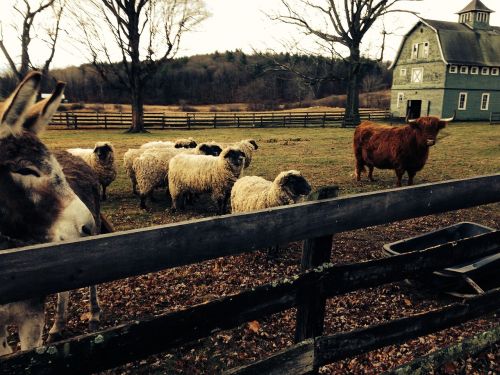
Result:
pixel 324 156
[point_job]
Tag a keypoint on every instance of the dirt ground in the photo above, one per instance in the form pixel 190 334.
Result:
pixel 178 288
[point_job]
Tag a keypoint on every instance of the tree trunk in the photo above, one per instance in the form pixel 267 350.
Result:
pixel 137 125
pixel 136 83
pixel 353 78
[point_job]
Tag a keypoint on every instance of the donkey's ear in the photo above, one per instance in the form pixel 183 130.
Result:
pixel 40 114
pixel 15 108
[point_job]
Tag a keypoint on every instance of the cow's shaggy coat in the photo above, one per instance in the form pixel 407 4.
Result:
pixel 402 148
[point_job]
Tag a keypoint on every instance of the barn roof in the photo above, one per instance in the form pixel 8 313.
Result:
pixel 460 44
pixel 476 5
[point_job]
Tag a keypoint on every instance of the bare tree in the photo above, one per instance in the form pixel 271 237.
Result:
pixel 341 23
pixel 144 34
pixel 48 32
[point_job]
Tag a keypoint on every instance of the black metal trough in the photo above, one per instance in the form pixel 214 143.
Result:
pixel 463 280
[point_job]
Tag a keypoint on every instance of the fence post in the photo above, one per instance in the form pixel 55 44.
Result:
pixel 163 120
pixel 97 115
pixel 105 121
pixel 188 121
pixel 324 120
pixel 215 120
pixel 306 118
pixel 311 306
pixel 75 120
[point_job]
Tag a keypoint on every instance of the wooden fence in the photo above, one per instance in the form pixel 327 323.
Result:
pixel 48 268
pixel 188 120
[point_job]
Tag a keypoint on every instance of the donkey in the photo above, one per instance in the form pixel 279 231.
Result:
pixel 37 201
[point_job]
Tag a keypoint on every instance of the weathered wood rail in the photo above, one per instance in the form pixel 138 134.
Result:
pixel 188 120
pixel 48 268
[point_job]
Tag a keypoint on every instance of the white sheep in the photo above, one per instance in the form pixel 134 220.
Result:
pixel 195 174
pixel 158 144
pixel 255 193
pixel 102 160
pixel 128 162
pixel 248 146
pixel 150 169
pixel 178 143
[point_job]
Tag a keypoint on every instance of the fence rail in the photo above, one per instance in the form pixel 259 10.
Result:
pixel 38 270
pixel 188 120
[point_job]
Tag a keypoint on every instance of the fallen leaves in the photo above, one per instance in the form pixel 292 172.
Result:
pixel 254 326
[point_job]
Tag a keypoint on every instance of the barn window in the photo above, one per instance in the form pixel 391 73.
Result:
pixel 414 51
pixel 426 49
pixel 401 97
pixel 402 72
pixel 494 71
pixel 485 101
pixel 485 71
pixel 474 70
pixel 417 75
pixel 453 69
pixel 462 101
pixel 464 69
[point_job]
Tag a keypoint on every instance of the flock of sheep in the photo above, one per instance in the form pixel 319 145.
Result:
pixel 189 169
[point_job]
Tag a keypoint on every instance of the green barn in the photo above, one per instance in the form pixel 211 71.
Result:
pixel 443 67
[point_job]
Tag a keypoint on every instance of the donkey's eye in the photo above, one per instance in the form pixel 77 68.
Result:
pixel 27 172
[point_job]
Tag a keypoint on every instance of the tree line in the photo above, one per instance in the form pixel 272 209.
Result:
pixel 227 77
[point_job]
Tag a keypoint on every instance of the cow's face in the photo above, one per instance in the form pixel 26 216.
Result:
pixel 427 129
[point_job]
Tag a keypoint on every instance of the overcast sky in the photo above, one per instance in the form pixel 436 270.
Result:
pixel 244 24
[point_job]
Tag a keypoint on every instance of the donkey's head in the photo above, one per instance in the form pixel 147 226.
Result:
pixel 36 202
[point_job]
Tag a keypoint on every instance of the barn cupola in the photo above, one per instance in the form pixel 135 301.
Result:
pixel 475 15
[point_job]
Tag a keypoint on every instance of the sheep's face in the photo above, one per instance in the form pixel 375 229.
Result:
pixel 103 152
pixel 253 143
pixel 185 143
pixel 296 185
pixel 236 158
pixel 212 150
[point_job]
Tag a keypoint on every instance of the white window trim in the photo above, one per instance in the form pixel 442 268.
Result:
pixel 412 70
pixel 464 69
pixel 453 69
pixel 487 101
pixel 465 101
pixel 474 70
pixel 401 96
pixel 402 72
pixel 494 71
pixel 485 71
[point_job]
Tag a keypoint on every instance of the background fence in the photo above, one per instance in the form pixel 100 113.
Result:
pixel 48 268
pixel 188 120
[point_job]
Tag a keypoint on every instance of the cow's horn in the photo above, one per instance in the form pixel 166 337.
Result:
pixel 450 119
pixel 408 121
